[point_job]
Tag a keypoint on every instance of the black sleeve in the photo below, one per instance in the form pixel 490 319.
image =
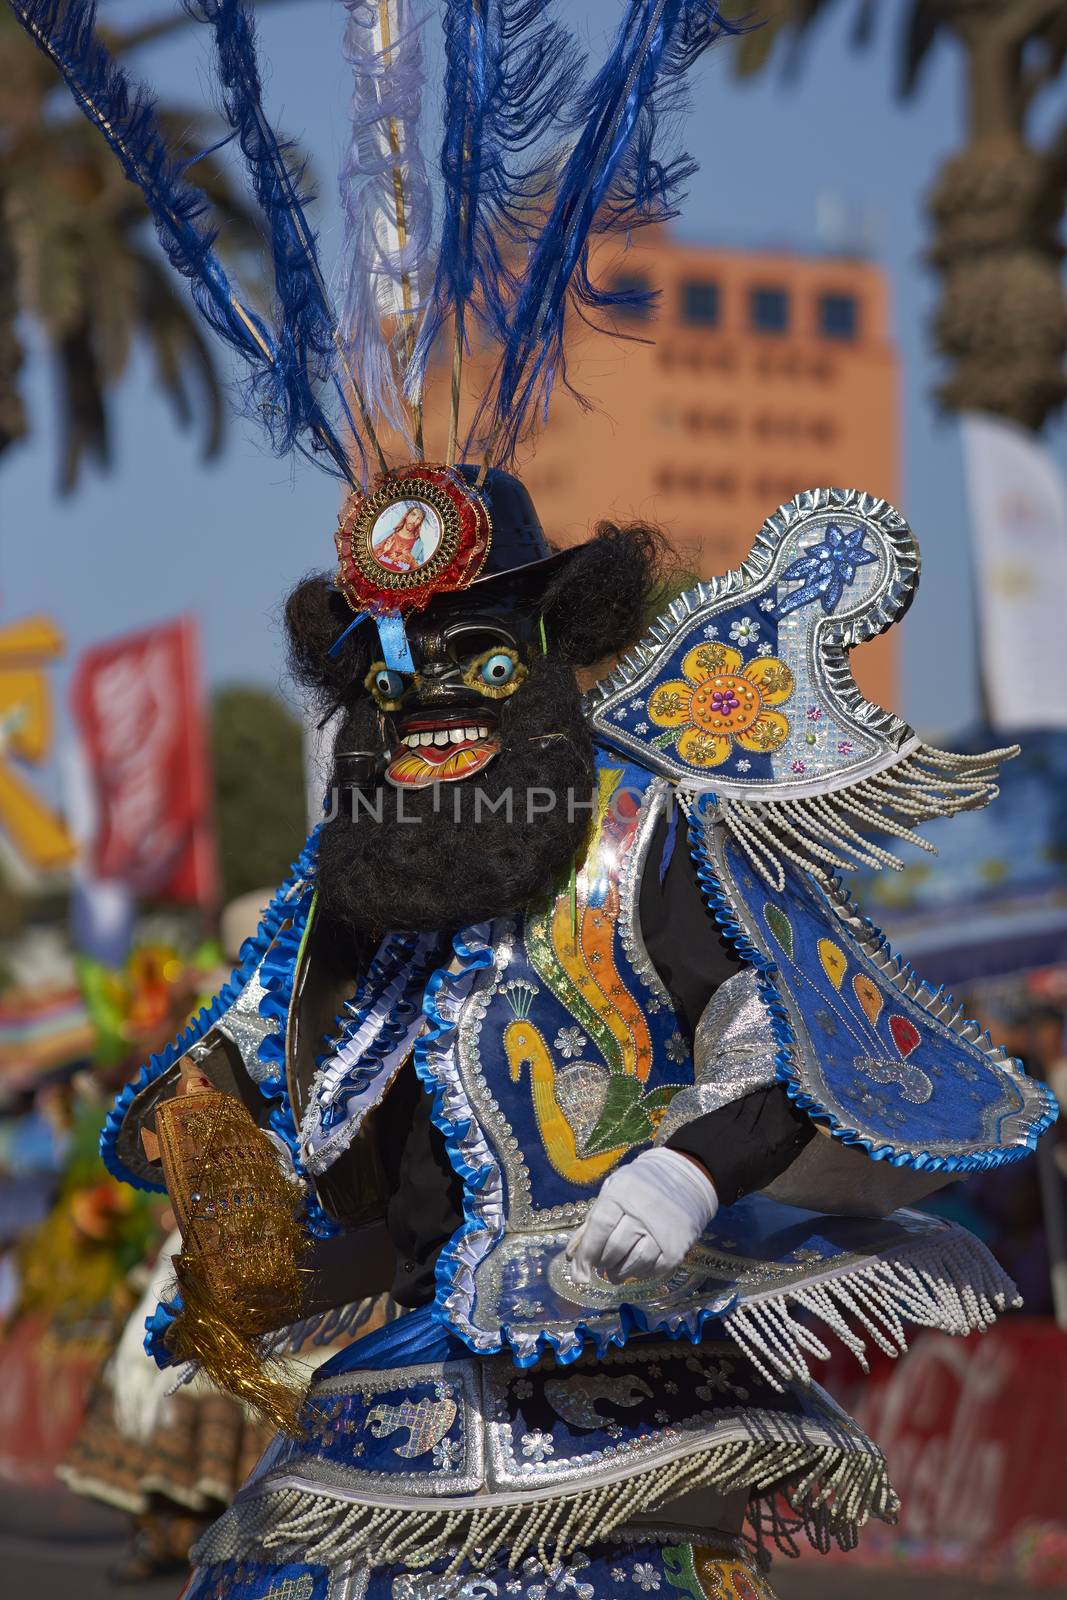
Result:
pixel 747 1144
pixel 426 1198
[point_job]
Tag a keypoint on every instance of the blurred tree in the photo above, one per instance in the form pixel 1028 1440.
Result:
pixel 996 207
pixel 257 754
pixel 13 905
pixel 77 255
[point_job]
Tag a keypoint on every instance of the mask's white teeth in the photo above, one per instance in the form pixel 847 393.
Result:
pixel 471 733
pixel 425 738
pixel 441 736
pixel 411 740
pixel 483 733
pixel 458 735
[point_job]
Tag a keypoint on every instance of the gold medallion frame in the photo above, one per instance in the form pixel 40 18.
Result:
pixel 362 525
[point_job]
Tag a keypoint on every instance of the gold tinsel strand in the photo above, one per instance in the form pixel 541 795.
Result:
pixel 239 1270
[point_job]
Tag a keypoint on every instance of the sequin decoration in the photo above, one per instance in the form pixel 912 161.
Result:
pixel 582 1089
pixel 833 961
pixel 812 731
pixel 427 1422
pixel 575 1399
pixel 590 1114
pixel 827 570
pixel 906 1035
pixel 256 1580
pixel 780 926
pixel 301 1588
pixel 705 1573
pixel 914 1084
pixel 718 700
pixel 852 1042
pixel 869 996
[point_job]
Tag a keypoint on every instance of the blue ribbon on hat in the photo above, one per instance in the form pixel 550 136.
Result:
pixel 396 652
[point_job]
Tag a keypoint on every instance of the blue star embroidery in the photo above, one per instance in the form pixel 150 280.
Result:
pixel 827 571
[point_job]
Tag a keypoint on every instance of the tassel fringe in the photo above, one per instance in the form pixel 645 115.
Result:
pixel 954 1285
pixel 833 1485
pixel 822 832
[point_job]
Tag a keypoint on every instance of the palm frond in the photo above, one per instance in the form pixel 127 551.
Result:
pixel 922 28
pixel 181 352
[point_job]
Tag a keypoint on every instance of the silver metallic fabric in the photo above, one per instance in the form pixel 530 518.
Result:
pixel 733 1054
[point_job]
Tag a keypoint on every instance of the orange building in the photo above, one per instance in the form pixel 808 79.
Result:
pixel 764 375
pixel 758 375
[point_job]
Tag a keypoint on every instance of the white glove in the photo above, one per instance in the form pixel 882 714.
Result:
pixel 140 1389
pixel 644 1219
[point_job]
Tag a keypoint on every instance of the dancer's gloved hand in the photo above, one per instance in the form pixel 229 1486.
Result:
pixel 644 1219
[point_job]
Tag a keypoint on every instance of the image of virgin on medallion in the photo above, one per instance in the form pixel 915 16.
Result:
pixel 406 535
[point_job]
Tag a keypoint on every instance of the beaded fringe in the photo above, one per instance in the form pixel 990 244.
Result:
pixel 833 1485
pixel 831 831
pixel 952 1284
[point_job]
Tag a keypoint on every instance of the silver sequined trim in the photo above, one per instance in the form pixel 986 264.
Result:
pixel 497 1468
pixel 242 1024
pixel 734 1053
pixel 631 872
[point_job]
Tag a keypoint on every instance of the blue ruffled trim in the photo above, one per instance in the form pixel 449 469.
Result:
pixel 251 954
pixel 395 955
pixel 785 1040
pixel 157 1326
pixel 439 1035
pixel 276 974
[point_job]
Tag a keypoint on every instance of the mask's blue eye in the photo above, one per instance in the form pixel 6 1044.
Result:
pixel 498 670
pixel 390 685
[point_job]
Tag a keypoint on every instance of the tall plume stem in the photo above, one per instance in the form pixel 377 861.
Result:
pixel 400 199
pixel 458 321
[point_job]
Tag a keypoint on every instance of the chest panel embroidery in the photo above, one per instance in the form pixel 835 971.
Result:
pixel 565 1042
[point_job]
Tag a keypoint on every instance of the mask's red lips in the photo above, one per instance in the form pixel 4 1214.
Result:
pixel 440 750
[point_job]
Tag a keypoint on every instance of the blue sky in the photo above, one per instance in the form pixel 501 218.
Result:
pixel 164 533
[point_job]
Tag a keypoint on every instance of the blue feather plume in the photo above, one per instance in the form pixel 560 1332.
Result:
pixel 533 167
pixel 613 179
pixel 509 74
pixel 387 202
pixel 308 348
pixel 125 114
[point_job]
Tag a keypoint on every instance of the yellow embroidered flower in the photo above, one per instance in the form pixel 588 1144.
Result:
pixel 718 703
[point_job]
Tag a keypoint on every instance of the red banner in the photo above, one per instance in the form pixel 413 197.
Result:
pixel 45 1384
pixel 975 1434
pixel 137 705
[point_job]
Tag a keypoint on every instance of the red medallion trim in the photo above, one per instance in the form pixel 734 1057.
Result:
pixel 420 531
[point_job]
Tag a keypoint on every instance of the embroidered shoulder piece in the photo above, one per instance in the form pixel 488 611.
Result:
pixel 743 688
pixel 883 1059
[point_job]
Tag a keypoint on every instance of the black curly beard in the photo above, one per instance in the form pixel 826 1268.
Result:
pixel 442 858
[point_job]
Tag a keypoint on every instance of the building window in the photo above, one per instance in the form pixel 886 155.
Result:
pixel 770 310
pixel 633 283
pixel 700 303
pixel 838 316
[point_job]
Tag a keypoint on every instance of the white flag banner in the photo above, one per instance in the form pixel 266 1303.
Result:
pixel 1018 506
pixel 102 910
